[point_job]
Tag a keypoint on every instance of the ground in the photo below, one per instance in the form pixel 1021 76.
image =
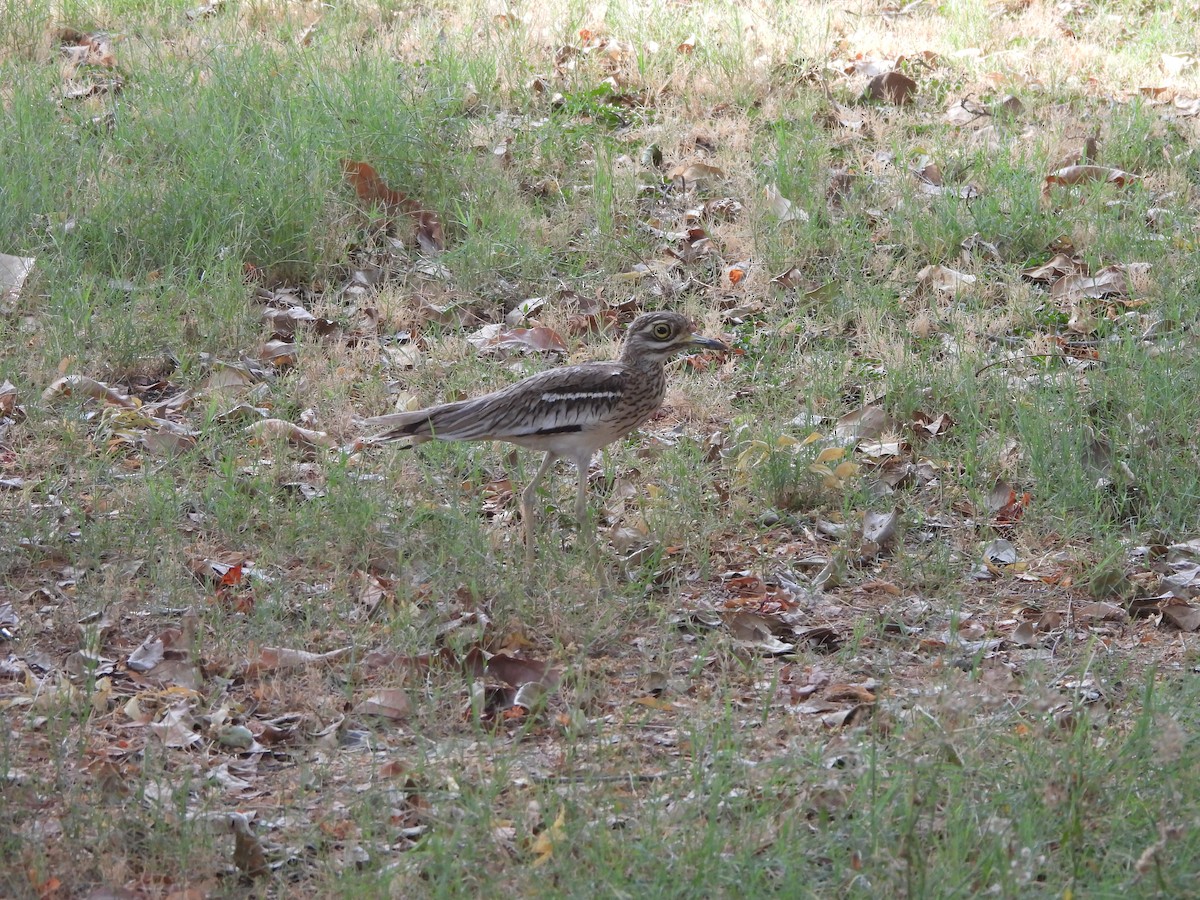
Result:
pixel 893 599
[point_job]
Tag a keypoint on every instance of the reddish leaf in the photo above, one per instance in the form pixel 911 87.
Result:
pixel 517 671
pixel 894 87
pixel 1072 175
pixel 372 190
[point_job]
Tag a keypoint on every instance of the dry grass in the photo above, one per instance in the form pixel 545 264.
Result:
pixel 935 728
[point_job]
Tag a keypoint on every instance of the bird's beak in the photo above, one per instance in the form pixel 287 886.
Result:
pixel 698 340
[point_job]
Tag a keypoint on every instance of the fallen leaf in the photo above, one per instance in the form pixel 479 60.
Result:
pixel 372 190
pixel 517 671
pixel 783 208
pixel 943 278
pixel 281 659
pixel 880 528
pixel 248 854
pixel 1048 272
pixel 696 173
pixel 1072 175
pixel 1099 610
pixel 540 339
pixel 1185 618
pixel 278 429
pixel 894 87
pixel 544 843
pixel 71 385
pixel 868 423
pixel 1110 281
pixel 392 703
pixel 14 270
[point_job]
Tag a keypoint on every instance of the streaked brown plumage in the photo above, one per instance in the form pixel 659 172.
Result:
pixel 569 412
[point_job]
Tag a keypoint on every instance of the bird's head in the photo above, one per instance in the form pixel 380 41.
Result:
pixel 657 336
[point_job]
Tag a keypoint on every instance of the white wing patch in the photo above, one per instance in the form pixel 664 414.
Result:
pixel 549 397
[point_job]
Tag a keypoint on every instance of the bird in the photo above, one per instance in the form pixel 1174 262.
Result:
pixel 568 412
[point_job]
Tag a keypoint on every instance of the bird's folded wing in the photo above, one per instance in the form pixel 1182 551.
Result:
pixel 568 399
pixel 573 398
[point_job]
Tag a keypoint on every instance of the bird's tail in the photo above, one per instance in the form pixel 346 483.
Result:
pixel 414 427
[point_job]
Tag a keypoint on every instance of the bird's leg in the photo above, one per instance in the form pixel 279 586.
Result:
pixel 528 504
pixel 587 525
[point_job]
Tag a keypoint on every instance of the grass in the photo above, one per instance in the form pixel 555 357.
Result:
pixel 912 742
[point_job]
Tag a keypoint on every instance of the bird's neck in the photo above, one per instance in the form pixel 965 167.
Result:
pixel 641 362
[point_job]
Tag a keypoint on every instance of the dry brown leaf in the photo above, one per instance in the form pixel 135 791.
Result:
pixel 1049 272
pixel 281 659
pixel 1185 618
pixel 893 87
pixel 248 853
pixel 391 703
pixel 1110 281
pixel 372 190
pixel 1100 610
pixel 868 423
pixel 495 339
pixel 1072 175
pixel 8 398
pixel 281 354
pixel 517 671
pixel 277 429
pixel 71 385
pixel 945 279
pixel 696 173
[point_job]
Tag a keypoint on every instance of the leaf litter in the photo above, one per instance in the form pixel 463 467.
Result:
pixel 813 579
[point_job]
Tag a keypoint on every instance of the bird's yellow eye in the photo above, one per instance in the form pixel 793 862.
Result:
pixel 662 331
